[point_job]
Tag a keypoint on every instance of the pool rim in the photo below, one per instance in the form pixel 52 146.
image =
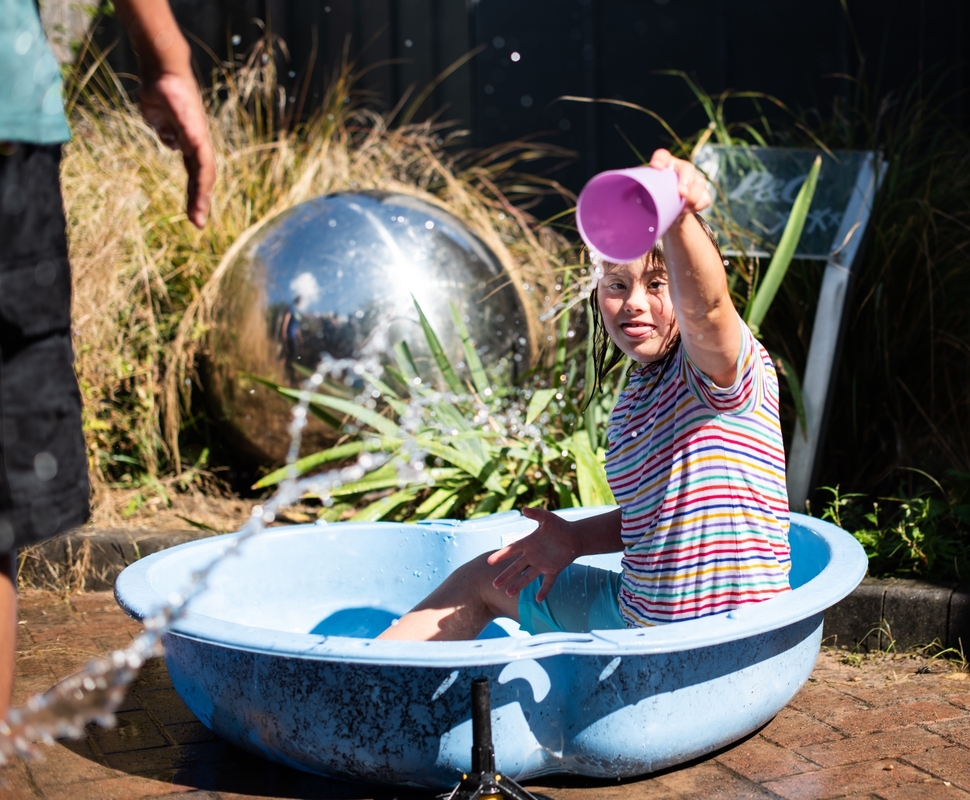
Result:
pixel 847 564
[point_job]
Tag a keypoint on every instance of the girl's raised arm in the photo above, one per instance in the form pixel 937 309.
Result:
pixel 705 315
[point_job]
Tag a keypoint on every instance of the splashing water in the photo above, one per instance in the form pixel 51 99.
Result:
pixel 596 272
pixel 95 693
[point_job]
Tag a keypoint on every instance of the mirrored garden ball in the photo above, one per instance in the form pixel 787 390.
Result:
pixel 341 275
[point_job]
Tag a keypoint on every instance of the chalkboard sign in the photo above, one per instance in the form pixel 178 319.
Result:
pixel 754 189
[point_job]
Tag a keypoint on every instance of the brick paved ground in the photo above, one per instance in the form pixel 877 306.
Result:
pixel 883 728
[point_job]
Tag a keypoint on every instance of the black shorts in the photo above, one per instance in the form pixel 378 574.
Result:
pixel 43 462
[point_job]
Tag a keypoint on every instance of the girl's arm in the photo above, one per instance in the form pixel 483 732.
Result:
pixel 706 317
pixel 553 546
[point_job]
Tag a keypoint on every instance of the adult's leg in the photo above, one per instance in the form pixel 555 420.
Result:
pixel 43 464
pixel 8 627
pixel 459 608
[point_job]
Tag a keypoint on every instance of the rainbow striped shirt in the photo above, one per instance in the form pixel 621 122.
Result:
pixel 699 473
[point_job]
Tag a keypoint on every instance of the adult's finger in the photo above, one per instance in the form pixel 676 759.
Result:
pixel 173 106
pixel 201 169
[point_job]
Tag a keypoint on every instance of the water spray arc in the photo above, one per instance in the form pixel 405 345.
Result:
pixel 95 693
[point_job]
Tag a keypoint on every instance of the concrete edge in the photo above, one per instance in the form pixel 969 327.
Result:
pixel 880 614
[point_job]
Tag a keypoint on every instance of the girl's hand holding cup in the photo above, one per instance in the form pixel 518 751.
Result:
pixel 691 183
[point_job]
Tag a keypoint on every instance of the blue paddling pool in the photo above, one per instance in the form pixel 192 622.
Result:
pixel 277 657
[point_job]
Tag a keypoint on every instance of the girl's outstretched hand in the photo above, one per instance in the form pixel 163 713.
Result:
pixel 546 551
pixel 692 183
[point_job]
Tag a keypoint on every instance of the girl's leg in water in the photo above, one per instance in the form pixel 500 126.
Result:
pixel 459 608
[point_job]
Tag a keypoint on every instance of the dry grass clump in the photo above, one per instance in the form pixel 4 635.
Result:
pixel 144 278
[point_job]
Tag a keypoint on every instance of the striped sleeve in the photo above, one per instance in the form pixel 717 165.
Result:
pixel 748 390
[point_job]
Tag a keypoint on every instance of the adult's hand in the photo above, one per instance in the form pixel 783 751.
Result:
pixel 170 98
pixel 172 106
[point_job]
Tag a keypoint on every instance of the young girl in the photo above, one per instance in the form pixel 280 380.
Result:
pixel 695 461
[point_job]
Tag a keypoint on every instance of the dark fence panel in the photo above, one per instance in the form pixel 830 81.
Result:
pixel 535 51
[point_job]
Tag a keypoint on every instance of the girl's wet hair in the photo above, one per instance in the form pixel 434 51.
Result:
pixel 607 355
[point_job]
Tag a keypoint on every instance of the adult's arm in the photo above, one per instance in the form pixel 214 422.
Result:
pixel 705 314
pixel 553 546
pixel 169 95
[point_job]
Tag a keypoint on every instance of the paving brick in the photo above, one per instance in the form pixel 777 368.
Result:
pixel 874 746
pixel 871 777
pixel 135 730
pixel 153 675
pixel 255 776
pixel 905 690
pixel 15 781
pixel 174 757
pixel 956 730
pixel 189 732
pixel 165 705
pixel 898 716
pixel 710 781
pixel 65 763
pixel 791 728
pixel 648 789
pixel 759 760
pixel 946 763
pixel 825 704
pixel 33 675
pixel 931 789
pixel 127 787
pixel 66 661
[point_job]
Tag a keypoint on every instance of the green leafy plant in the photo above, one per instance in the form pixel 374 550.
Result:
pixel 487 448
pixel 920 533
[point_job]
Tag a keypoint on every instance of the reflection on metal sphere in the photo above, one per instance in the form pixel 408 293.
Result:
pixel 336 275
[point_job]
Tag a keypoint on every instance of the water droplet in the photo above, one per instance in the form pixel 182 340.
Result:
pixel 236 40
pixel 516 56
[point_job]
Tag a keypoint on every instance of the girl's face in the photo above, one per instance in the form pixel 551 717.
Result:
pixel 638 314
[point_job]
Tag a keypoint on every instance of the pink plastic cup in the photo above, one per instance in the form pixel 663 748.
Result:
pixel 621 213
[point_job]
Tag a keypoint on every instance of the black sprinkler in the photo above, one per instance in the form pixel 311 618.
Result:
pixel 483 780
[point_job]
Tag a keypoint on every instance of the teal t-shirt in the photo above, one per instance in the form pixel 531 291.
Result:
pixel 31 106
